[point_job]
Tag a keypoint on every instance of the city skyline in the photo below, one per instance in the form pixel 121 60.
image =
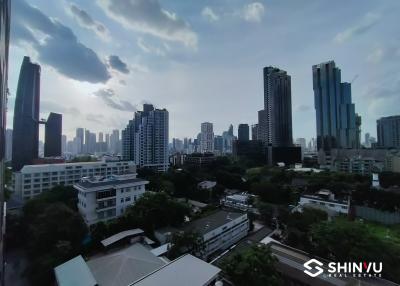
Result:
pixel 129 60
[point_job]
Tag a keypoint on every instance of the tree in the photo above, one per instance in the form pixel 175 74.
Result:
pixel 154 210
pixel 185 242
pixel 344 241
pixel 255 266
pixel 272 193
pixel 266 212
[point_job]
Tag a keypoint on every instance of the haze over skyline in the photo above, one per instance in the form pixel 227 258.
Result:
pixel 202 61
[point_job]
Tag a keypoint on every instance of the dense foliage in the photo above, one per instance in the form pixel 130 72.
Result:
pixel 255 266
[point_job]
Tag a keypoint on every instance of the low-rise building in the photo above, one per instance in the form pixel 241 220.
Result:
pixel 105 198
pixel 238 201
pixel 135 265
pixel 32 180
pixel 200 159
pixel 392 162
pixel 357 165
pixel 219 231
pixel 325 199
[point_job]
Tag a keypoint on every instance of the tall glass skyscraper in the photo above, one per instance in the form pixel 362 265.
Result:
pixel 335 113
pixel 275 120
pixel 26 115
pixel 243 132
pixel 4 43
pixel 53 134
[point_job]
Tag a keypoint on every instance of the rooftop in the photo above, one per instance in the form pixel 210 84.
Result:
pixel 213 221
pixel 121 235
pixel 43 166
pixel 74 272
pixel 183 271
pixel 125 266
pixel 93 182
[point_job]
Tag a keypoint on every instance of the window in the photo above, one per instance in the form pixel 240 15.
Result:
pixel 122 200
pixel 127 199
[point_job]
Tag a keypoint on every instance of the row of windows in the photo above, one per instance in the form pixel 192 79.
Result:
pixel 46 174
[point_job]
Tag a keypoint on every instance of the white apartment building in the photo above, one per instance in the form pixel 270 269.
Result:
pixel 32 180
pixel 105 198
pixel 237 201
pixel 220 230
pixel 325 199
pixel 206 137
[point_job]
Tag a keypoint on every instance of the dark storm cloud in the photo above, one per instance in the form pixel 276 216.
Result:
pixel 85 20
pixel 116 63
pixel 109 97
pixel 56 44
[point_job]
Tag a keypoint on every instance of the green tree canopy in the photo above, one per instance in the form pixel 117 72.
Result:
pixel 255 266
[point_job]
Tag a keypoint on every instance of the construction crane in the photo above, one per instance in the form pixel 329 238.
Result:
pixel 354 78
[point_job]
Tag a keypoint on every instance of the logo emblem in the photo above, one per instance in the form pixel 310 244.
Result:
pixel 309 266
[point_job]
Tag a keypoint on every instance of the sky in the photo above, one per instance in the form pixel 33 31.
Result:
pixel 202 60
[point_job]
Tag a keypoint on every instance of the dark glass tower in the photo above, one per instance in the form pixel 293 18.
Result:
pixel 275 121
pixel 26 116
pixel 388 131
pixel 53 134
pixel 335 113
pixel 4 43
pixel 243 132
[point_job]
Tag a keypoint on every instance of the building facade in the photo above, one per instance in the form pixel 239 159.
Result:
pixel 105 198
pixel 145 139
pixel 275 120
pixel 26 116
pixel 243 132
pixel 5 13
pixel 32 180
pixel 335 113
pixel 53 135
pixel 388 131
pixel 206 137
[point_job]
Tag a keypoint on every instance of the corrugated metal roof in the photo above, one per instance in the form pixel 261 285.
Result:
pixel 121 235
pixel 74 272
pixel 184 271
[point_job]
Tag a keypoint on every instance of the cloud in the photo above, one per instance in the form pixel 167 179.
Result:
pixel 209 14
pixel 50 106
pixel 109 97
pixel 86 21
pixel 145 47
pixel 116 63
pixel 56 44
pixel 97 118
pixel 369 20
pixel 375 56
pixel 253 12
pixel 147 16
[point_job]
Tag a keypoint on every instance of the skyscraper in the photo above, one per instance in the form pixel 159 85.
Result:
pixel 243 132
pixel 275 120
pixel 101 137
pixel 145 139
pixel 388 131
pixel 26 116
pixel 254 132
pixel 79 140
pixel 63 144
pixel 207 137
pixel 4 43
pixel 52 137
pixel 115 142
pixel 335 113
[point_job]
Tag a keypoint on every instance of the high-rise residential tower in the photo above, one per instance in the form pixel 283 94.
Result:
pixel 388 131
pixel 275 120
pixel 337 123
pixel 243 132
pixel 26 116
pixel 207 137
pixel 79 139
pixel 53 134
pixel 145 139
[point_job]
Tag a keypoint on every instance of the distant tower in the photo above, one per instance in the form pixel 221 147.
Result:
pixel 275 120
pixel 388 131
pixel 26 116
pixel 243 132
pixel 53 134
pixel 207 137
